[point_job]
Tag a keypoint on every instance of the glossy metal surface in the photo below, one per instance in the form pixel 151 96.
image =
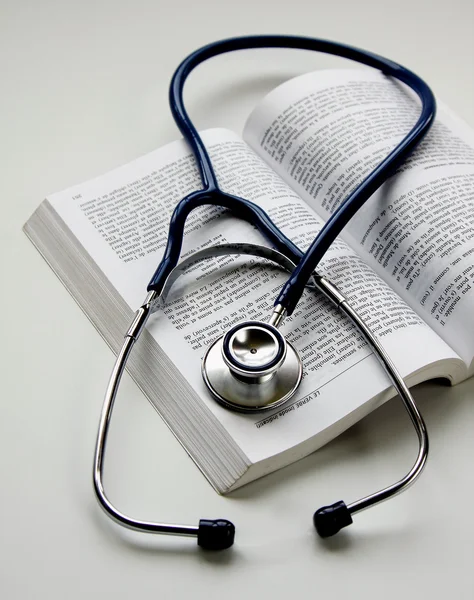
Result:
pixel 131 336
pixel 251 396
pixel 331 291
pixel 234 249
pixel 152 302
pixel 254 351
pixel 253 346
pixel 279 312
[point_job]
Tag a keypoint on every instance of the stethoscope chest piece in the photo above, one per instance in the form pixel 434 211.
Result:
pixel 252 368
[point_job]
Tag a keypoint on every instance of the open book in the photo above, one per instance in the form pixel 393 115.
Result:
pixel 406 261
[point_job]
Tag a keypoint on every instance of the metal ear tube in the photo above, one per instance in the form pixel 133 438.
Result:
pixel 252 367
pixel 252 360
pixel 215 534
pixel 211 535
pixel 328 520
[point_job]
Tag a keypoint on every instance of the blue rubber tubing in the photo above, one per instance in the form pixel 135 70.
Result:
pixel 212 194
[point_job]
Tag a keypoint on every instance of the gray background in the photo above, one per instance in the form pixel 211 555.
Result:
pixel 84 89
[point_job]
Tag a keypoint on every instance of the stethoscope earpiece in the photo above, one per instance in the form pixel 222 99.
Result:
pixel 215 535
pixel 329 520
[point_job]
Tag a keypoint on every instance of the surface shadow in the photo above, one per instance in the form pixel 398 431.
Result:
pixel 385 430
pixel 356 540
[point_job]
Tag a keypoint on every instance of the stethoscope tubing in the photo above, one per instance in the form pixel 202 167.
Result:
pixel 211 193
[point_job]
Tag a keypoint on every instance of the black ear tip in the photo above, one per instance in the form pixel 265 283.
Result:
pixel 215 535
pixel 328 520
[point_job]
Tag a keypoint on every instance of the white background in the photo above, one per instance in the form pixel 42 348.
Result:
pixel 84 89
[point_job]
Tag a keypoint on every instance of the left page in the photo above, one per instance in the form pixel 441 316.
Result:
pixel 122 220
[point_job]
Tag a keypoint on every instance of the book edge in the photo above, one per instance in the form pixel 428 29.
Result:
pixel 147 348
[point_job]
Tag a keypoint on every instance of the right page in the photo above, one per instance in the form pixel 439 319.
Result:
pixel 324 132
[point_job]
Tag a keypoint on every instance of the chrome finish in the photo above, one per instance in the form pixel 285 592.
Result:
pixel 152 302
pixel 141 316
pixel 417 420
pixel 278 315
pixel 132 335
pixel 251 349
pixel 224 250
pixel 247 395
pixel 234 385
pixel 330 291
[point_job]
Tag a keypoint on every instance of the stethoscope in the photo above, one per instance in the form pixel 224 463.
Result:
pixel 252 367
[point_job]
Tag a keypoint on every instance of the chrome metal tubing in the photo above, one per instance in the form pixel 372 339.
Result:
pixel 278 315
pixel 152 302
pixel 335 295
pixel 131 337
pixel 224 250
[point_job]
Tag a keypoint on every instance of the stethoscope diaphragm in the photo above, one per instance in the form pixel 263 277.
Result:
pixel 252 368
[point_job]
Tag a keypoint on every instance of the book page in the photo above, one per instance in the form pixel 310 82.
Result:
pixel 122 220
pixel 324 132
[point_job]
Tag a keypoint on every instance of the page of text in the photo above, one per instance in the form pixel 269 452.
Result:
pixel 324 132
pixel 122 220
